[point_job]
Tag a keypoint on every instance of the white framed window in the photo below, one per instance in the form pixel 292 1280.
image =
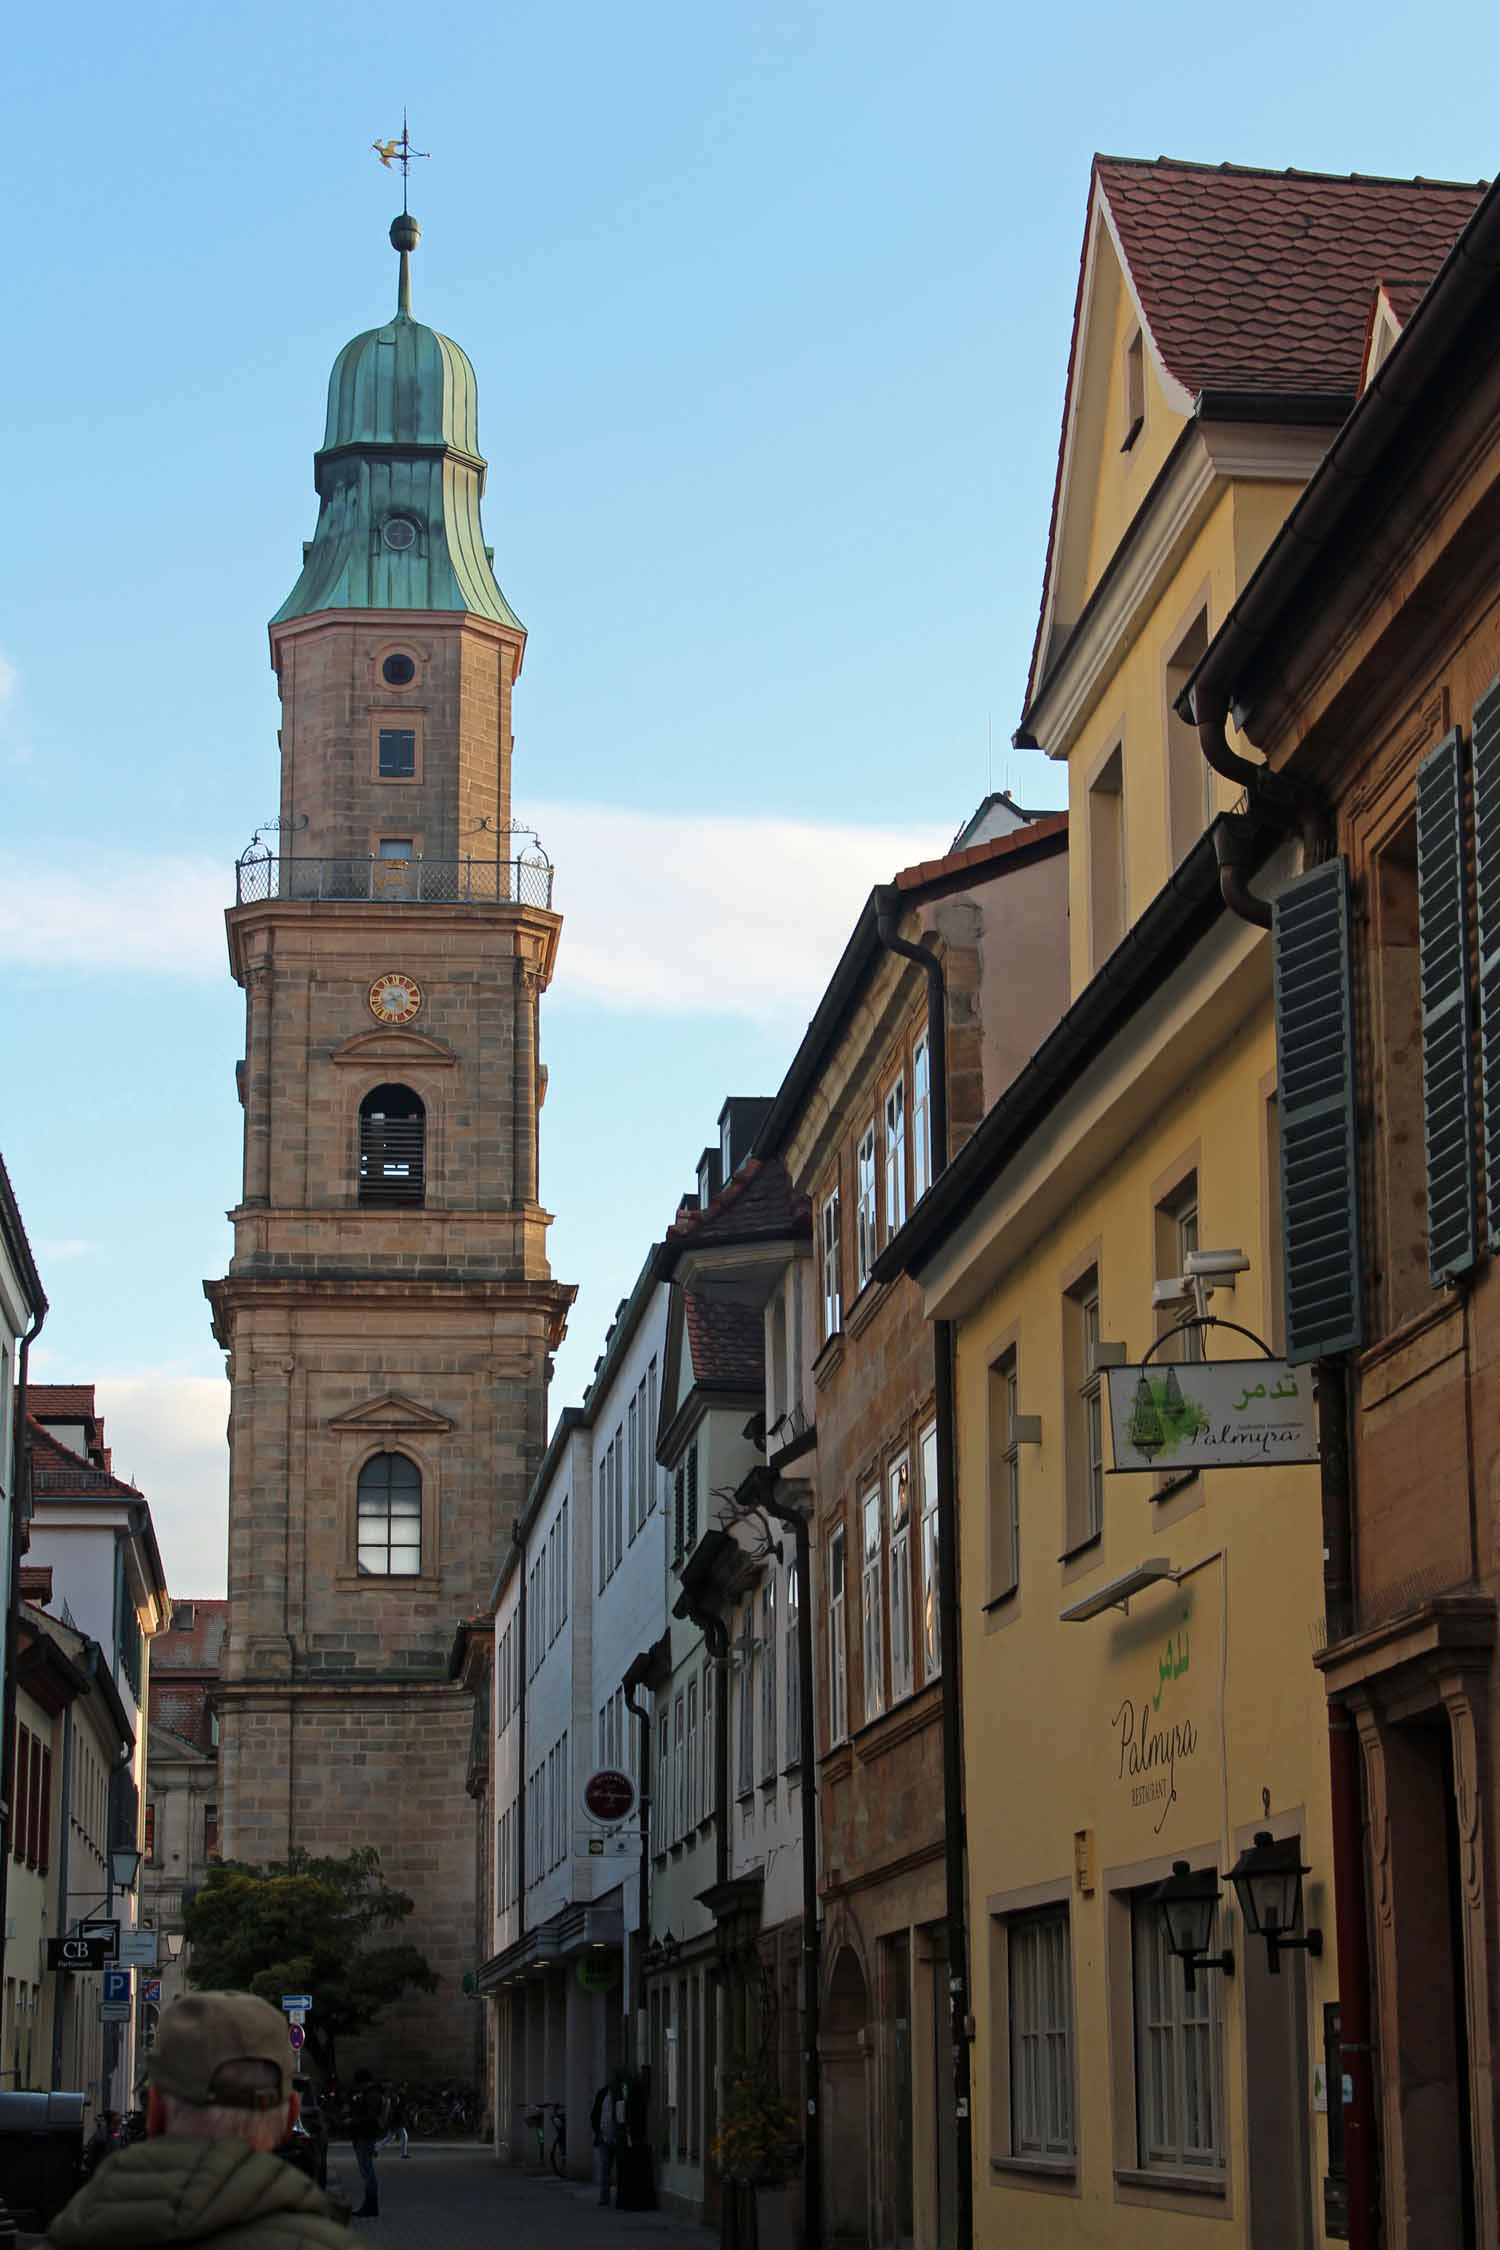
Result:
pixel 872 1605
pixel 838 1662
pixel 663 1822
pixel 745 1696
pixel 653 1473
pixel 1093 1399
pixel 767 1659
pixel 895 1157
pixel 1084 1385
pixel 632 1469
pixel 694 1759
pixel 617 1455
pixel 833 1307
pixel 921 1118
pixel 932 1616
pixel 864 1216
pixel 898 1518
pixel 1041 2035
pixel 679 1759
pixel 793 1667
pixel 604 1523
pixel 1179 2058
pixel 710 1786
pixel 563 1520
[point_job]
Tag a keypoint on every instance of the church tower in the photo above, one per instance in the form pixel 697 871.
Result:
pixel 389 1309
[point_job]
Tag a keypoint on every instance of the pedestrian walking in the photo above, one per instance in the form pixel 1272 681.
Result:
pixel 608 2120
pixel 397 2113
pixel 220 2100
pixel 366 2120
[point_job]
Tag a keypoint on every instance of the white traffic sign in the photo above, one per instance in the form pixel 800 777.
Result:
pixel 296 2001
pixel 137 1949
pixel 624 1843
pixel 297 2015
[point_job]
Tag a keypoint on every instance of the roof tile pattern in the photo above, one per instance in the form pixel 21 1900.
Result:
pixel 1260 281
pixel 58 1472
pixel 727 1341
pixel 758 1204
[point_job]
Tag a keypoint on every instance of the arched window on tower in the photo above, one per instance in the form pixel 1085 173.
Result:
pixel 388 1510
pixel 392 1146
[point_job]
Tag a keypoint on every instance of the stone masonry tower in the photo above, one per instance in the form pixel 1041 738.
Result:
pixel 389 1309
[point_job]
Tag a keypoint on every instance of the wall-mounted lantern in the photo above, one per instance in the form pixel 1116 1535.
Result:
pixel 1189 1901
pixel 1268 1883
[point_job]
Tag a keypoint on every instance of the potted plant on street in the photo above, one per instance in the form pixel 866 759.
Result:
pixel 758 2150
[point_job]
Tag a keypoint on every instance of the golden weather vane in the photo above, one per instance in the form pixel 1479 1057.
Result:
pixel 399 152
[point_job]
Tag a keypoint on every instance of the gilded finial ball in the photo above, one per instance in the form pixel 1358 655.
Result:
pixel 405 233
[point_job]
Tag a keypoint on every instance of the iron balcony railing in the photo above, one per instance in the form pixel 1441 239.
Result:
pixel 526 881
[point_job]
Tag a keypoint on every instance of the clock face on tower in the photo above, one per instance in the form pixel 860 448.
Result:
pixel 395 997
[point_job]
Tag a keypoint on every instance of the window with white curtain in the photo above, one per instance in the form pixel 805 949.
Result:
pixel 895 1157
pixel 932 1623
pixel 864 1217
pixel 838 1669
pixel 921 1119
pixel 1041 2035
pixel 872 1603
pixel 898 1518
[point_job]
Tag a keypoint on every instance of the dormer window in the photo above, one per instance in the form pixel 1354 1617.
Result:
pixel 1135 390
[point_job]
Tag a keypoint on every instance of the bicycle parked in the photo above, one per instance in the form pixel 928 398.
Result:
pixel 535 2114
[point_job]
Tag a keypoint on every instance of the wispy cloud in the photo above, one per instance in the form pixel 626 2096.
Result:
pixel 685 911
pixel 73 909
pixel 167 1434
pixel 675 912
pixel 72 1246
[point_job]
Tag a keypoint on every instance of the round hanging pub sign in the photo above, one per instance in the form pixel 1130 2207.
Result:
pixel 609 1796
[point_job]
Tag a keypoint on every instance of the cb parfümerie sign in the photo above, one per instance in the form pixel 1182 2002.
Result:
pixel 1212 1414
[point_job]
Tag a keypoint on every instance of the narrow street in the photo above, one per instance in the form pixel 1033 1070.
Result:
pixel 460 2199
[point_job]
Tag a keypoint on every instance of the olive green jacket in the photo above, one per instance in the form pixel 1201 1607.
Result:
pixel 169 2191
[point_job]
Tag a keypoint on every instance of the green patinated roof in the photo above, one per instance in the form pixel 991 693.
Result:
pixel 402 440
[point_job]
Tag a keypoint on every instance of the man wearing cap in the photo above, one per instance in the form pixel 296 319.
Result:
pixel 220 2101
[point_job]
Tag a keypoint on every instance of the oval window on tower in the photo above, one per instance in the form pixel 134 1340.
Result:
pixel 398 671
pixel 399 532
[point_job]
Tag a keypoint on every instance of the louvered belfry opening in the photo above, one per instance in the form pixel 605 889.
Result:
pixel 392 1146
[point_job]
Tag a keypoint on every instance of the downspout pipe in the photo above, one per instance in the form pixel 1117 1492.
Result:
pixel 812 1967
pixel 634 1680
pixel 888 907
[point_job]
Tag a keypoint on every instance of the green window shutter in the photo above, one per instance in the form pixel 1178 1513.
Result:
pixel 1447 1069
pixel 1487 887
pixel 1315 1088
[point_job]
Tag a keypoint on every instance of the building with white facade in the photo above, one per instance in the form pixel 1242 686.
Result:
pixel 579 1595
pixel 93 1531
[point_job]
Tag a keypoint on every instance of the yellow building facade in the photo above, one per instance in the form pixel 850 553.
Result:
pixel 1113 1733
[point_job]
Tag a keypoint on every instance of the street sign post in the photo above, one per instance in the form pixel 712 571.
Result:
pixel 115 2005
pixel 296 2036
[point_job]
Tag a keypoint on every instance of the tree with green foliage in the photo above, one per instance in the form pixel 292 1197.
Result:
pixel 306 1925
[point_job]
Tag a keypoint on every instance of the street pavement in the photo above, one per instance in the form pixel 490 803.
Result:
pixel 450 2196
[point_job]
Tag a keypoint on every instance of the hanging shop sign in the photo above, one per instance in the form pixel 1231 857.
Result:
pixel 1211 1414
pixel 598 1972
pixel 609 1796
pixel 79 1952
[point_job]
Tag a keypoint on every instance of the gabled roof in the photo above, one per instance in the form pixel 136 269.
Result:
pixel 1260 281
pixel 928 879
pixel 727 1341
pixel 1253 292
pixel 758 1205
pixel 68 1476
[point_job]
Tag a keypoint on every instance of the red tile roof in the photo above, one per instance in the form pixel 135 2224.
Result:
pixel 1255 281
pixel 196 1647
pixel 758 1204
pixel 1260 281
pixel 727 1341
pixel 1040 829
pixel 61 1402
pixel 59 1473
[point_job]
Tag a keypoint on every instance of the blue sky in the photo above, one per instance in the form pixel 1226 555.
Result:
pixel 770 309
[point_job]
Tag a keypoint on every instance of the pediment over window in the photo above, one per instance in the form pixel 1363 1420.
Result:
pixel 395 1046
pixel 391 1414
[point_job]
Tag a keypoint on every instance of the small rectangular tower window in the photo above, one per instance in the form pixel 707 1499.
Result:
pixel 398 753
pixel 396 847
